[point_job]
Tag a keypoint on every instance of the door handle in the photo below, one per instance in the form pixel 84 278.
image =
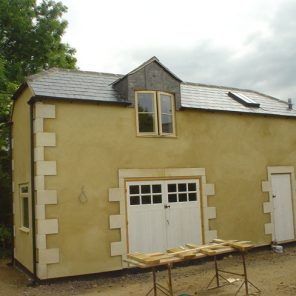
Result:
pixel 166 206
pixel 273 196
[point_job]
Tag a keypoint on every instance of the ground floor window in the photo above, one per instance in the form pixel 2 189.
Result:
pixel 24 205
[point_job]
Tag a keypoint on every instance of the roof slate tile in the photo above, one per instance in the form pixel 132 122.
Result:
pixel 73 84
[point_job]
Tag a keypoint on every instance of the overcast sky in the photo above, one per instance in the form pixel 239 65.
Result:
pixel 240 43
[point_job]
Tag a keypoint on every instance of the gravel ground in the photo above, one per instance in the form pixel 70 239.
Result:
pixel 273 273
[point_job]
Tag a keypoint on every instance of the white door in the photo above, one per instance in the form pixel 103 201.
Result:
pixel 282 207
pixel 146 217
pixel 163 214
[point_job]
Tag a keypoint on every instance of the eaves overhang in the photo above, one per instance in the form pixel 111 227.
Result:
pixel 38 98
pixel 184 108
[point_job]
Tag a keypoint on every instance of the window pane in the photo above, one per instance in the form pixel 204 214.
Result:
pixel 146 123
pixel 172 197
pixel 166 104
pixel 182 187
pixel 24 189
pixel 172 188
pixel 191 186
pixel 192 196
pixel 145 188
pixel 146 199
pixel 25 212
pixel 157 199
pixel 134 189
pixel 167 123
pixel 134 200
pixel 145 102
pixel 183 197
pixel 156 188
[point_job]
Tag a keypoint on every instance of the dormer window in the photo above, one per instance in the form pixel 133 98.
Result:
pixel 155 113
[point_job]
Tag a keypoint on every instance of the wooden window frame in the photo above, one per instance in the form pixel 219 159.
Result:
pixel 24 195
pixel 155 133
pixel 159 114
pixel 157 111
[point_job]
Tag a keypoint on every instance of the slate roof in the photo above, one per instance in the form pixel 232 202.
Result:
pixel 75 85
pixel 97 87
pixel 216 98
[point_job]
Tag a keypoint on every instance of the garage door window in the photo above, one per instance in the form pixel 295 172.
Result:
pixel 182 192
pixel 145 194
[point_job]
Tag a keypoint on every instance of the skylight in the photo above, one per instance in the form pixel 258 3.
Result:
pixel 243 99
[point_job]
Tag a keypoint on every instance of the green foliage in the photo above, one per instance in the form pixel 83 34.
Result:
pixel 5 237
pixel 30 40
pixel 31 37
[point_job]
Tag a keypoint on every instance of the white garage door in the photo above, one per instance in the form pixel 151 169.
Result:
pixel 163 214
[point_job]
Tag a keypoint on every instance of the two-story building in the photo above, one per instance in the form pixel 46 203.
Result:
pixel 105 164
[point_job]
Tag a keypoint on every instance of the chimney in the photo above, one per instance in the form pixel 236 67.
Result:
pixel 290 104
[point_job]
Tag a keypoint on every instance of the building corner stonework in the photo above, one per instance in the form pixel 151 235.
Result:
pixel 44 197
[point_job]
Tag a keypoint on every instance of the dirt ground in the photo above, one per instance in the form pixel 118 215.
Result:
pixel 273 273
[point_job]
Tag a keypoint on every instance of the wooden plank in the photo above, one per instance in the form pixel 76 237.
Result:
pixel 208 252
pixel 192 246
pixel 200 255
pixel 225 249
pixel 178 249
pixel 242 246
pixel 154 254
pixel 182 252
pixel 222 246
pixel 143 258
pixel 135 263
pixel 223 242
pixel 149 259
pixel 190 251
pixel 200 247
pixel 238 245
pixel 186 255
pixel 244 242
pixel 218 241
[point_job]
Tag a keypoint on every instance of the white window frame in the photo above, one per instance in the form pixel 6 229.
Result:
pixel 157 112
pixel 24 195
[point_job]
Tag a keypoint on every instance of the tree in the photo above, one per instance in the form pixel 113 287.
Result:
pixel 30 40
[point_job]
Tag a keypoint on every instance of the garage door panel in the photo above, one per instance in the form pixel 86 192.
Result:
pixel 146 230
pixel 184 227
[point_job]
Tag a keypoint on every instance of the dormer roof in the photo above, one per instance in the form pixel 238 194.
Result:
pixel 152 60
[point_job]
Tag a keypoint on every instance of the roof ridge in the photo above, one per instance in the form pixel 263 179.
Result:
pixel 153 59
pixel 56 69
pixel 83 71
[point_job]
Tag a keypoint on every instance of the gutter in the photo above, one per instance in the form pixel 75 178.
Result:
pixel 10 123
pixel 35 279
pixel 38 98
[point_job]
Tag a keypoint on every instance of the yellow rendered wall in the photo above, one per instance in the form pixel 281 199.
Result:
pixel 94 141
pixel 21 174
